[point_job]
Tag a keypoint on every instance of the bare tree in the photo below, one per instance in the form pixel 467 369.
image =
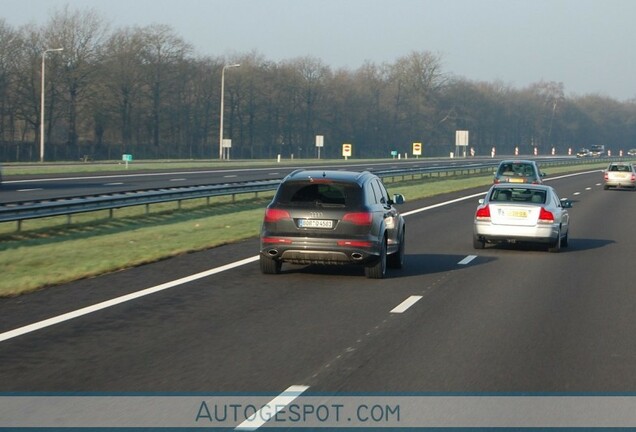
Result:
pixel 81 35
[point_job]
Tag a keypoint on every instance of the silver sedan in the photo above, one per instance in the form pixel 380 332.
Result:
pixel 522 213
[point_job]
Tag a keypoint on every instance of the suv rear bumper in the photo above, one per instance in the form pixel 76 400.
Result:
pixel 325 252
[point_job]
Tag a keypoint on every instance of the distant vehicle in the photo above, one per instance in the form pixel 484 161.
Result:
pixel 522 213
pixel 518 171
pixel 333 217
pixel 597 150
pixel 583 153
pixel 631 152
pixel 619 175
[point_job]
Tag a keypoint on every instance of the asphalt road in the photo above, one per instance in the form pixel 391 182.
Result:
pixel 512 319
pixel 46 187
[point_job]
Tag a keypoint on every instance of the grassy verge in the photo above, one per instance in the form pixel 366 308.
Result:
pixel 50 252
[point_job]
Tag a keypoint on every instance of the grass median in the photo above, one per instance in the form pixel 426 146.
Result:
pixel 48 252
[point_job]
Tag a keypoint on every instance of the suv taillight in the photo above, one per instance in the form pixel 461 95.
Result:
pixel 606 175
pixel 545 216
pixel 275 215
pixel 359 218
pixel 483 213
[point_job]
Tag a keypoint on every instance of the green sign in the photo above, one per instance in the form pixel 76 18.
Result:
pixel 126 158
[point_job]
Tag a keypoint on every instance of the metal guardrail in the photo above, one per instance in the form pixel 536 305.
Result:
pixel 20 211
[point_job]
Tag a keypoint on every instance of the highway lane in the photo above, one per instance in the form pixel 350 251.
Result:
pixel 512 319
pixel 21 188
pixel 64 185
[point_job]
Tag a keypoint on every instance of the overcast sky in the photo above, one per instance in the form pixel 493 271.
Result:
pixel 588 45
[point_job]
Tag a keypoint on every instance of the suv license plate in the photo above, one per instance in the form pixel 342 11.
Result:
pixel 315 223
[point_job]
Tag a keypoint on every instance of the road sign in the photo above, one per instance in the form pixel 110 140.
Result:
pixel 417 149
pixel 461 138
pixel 347 150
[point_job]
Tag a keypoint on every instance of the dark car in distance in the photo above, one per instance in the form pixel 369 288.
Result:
pixel 333 217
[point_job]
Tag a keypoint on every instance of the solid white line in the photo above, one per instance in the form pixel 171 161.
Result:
pixel 402 307
pixel 114 184
pixel 260 417
pixel 467 260
pixel 178 179
pixel 106 304
pixel 445 203
pixel 230 176
pixel 29 190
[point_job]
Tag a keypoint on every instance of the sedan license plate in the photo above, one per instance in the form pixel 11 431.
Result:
pixel 516 180
pixel 315 223
pixel 521 214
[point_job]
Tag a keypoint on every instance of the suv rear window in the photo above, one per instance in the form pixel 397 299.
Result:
pixel 320 194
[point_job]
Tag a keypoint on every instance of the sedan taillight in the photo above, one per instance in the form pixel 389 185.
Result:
pixel 483 213
pixel 546 216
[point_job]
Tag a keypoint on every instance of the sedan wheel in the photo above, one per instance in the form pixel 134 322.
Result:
pixel 556 246
pixel 478 244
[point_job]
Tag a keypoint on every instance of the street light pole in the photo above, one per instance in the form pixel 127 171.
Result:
pixel 222 108
pixel 42 101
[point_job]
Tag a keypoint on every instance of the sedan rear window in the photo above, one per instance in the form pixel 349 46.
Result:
pixel 519 195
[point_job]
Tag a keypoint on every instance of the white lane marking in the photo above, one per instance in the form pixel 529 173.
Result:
pixel 467 260
pixel 114 184
pixel 598 184
pixel 576 193
pixel 270 409
pixel 588 188
pixel 273 173
pixel 108 303
pixel 402 307
pixel 445 203
pixel 178 179
pixel 230 176
pixel 30 190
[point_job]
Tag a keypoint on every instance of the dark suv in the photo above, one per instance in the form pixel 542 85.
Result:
pixel 333 217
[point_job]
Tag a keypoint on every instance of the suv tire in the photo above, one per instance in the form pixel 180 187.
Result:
pixel 270 266
pixel 377 270
pixel 396 260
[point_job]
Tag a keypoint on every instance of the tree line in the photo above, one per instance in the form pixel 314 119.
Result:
pixel 144 91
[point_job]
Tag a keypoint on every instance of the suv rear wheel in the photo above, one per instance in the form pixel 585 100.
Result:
pixel 270 266
pixel 396 260
pixel 378 268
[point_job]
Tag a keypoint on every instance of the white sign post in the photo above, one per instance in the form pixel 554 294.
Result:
pixel 320 142
pixel 461 142
pixel 227 145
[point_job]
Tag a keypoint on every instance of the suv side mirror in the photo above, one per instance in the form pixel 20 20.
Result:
pixel 566 203
pixel 397 199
